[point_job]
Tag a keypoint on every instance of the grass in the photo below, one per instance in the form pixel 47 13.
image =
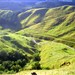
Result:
pixel 59 25
pixel 46 72
pixel 15 42
pixel 58 53
pixel 55 55
pixel 53 30
pixel 15 50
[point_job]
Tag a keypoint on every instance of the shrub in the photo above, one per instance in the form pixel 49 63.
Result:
pixel 2 67
pixel 16 68
pixel 36 65
pixel 36 57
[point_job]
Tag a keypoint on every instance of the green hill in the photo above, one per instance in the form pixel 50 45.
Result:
pixel 55 23
pixel 15 52
pixel 44 40
pixel 55 55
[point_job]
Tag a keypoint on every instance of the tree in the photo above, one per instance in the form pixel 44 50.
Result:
pixel 16 68
pixel 2 67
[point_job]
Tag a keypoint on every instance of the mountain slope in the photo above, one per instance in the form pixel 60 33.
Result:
pixel 9 20
pixel 46 36
pixel 56 22
pixel 15 52
pixel 55 55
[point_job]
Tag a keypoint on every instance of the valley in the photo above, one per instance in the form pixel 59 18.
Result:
pixel 40 40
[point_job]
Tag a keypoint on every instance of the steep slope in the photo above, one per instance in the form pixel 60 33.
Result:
pixel 56 22
pixel 9 20
pixel 57 25
pixel 32 16
pixel 55 55
pixel 46 40
pixel 13 22
pixel 15 52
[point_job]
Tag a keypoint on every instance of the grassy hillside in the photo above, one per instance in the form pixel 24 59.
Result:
pixel 45 42
pixel 50 20
pixel 55 55
pixel 55 23
pixel 15 52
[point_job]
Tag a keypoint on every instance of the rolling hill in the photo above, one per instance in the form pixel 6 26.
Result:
pixel 16 51
pixel 57 23
pixel 43 39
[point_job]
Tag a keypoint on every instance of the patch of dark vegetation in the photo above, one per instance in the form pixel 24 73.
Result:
pixel 15 61
pixel 69 43
pixel 35 62
pixel 12 62
pixel 6 38
pixel 71 20
pixel 42 13
pixel 66 33
pixel 65 64
pixel 65 49
pixel 46 38
pixel 58 21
